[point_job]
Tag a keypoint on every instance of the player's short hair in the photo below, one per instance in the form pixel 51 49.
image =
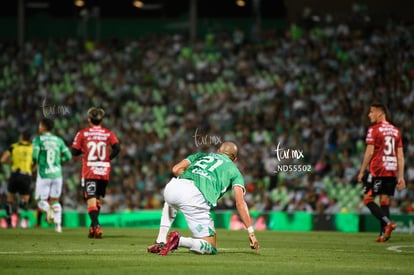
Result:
pixel 380 106
pixel 96 115
pixel 26 134
pixel 47 123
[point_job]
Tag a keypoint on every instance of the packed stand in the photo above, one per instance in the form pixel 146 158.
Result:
pixel 305 92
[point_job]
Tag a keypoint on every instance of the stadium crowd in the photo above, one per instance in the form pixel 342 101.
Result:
pixel 295 100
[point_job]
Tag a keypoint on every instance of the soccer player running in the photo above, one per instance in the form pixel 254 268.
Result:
pixel 98 146
pixel 20 154
pixel 385 157
pixel 49 152
pixel 202 179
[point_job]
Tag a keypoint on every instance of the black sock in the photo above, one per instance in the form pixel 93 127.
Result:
pixel 9 211
pixel 94 217
pixel 39 217
pixel 377 212
pixel 23 205
pixel 386 210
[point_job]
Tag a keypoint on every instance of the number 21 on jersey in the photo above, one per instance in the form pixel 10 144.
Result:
pixel 209 163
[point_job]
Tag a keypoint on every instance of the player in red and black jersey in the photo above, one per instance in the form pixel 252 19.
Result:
pixel 384 158
pixel 98 146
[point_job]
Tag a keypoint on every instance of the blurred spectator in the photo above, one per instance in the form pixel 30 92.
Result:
pixel 333 207
pixel 407 206
pixel 306 90
pixel 394 209
pixel 323 202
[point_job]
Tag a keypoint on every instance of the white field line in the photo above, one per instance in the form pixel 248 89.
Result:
pixel 399 248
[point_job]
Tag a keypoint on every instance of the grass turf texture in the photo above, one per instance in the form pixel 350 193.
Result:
pixel 123 251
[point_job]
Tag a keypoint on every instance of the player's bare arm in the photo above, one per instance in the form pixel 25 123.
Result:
pixel 180 167
pixel 34 168
pixel 242 206
pixel 400 165
pixel 5 157
pixel 243 211
pixel 369 152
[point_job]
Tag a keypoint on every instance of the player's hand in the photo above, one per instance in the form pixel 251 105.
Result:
pixel 254 244
pixel 360 177
pixel 400 184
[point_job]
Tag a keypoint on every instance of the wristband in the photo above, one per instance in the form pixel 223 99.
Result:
pixel 250 229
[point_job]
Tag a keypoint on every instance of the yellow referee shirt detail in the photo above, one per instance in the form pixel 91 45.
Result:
pixel 21 154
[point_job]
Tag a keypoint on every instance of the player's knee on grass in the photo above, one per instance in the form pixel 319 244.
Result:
pixel 204 248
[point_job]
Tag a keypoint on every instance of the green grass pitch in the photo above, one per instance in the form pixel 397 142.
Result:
pixel 123 251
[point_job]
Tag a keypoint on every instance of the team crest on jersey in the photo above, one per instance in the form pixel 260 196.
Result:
pixel 91 187
pixel 199 228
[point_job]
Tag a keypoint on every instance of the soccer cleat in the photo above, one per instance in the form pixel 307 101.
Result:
pixel 98 232
pixel 155 248
pixel 391 226
pixel 380 239
pixel 91 233
pixel 171 244
pixel 58 228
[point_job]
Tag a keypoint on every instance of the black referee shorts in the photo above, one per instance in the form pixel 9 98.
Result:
pixel 19 183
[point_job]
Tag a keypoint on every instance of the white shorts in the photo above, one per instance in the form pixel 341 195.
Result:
pixel 184 196
pixel 48 188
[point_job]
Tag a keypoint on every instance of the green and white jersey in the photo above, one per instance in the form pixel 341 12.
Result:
pixel 49 152
pixel 213 174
